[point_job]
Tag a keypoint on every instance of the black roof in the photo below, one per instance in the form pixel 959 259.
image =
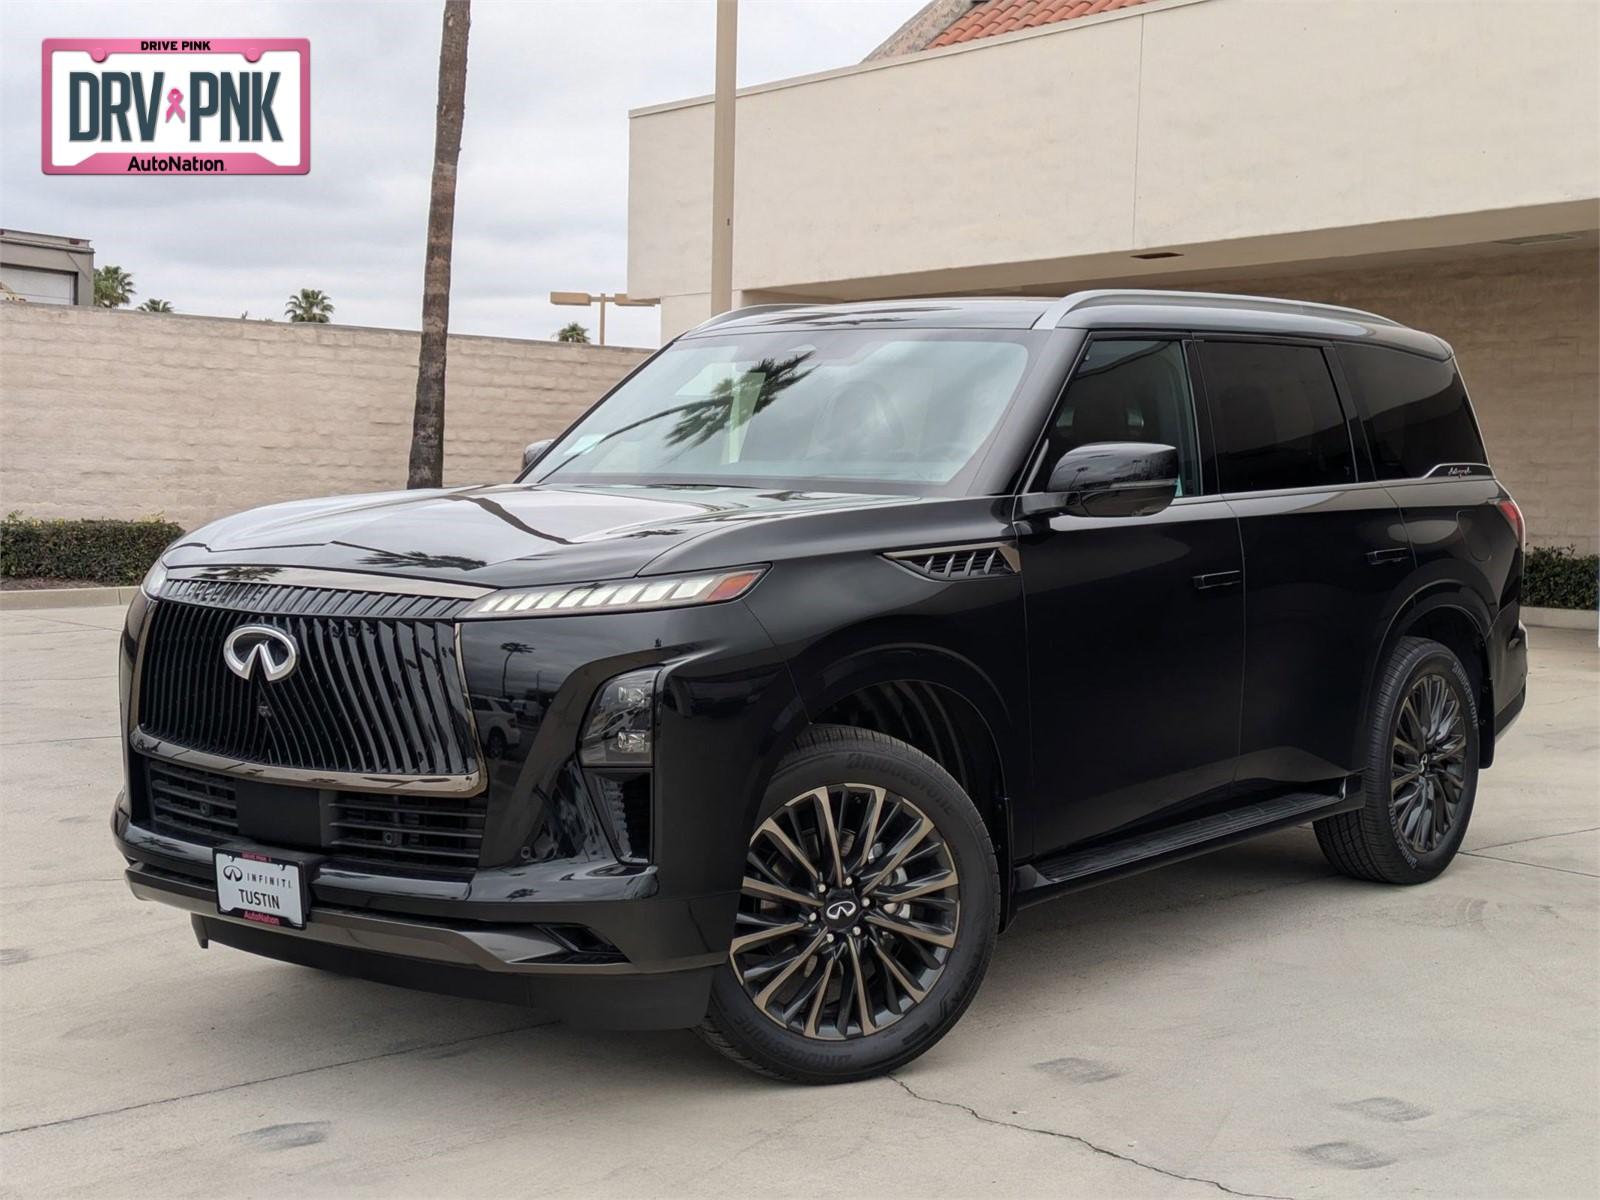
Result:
pixel 1098 309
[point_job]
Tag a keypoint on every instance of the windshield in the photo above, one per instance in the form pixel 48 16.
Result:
pixel 889 406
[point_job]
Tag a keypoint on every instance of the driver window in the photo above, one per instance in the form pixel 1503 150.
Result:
pixel 1129 391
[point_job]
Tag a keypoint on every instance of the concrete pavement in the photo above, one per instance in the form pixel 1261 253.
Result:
pixel 1244 1024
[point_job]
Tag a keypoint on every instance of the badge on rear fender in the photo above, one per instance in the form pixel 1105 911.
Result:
pixel 167 106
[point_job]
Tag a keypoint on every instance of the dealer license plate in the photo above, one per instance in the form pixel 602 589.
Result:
pixel 258 888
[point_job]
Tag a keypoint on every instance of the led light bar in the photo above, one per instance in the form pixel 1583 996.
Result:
pixel 622 595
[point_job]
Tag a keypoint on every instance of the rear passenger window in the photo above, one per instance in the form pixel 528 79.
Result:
pixel 1415 411
pixel 1276 415
pixel 1129 391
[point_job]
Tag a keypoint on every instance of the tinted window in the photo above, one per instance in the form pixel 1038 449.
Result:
pixel 1129 391
pixel 1415 410
pixel 1277 417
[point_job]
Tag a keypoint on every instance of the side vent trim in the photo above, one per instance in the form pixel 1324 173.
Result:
pixel 977 560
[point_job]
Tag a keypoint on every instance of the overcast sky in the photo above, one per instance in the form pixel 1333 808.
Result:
pixel 541 203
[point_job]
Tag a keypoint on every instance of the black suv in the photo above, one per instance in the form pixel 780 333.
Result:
pixel 827 640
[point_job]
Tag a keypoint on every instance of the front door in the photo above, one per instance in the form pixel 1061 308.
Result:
pixel 1135 624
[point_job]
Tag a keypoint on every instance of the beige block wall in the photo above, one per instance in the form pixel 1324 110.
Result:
pixel 1526 330
pixel 126 414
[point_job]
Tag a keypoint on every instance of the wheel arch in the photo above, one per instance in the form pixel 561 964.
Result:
pixel 945 707
pixel 1458 619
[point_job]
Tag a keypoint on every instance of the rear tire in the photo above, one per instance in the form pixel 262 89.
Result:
pixel 1420 775
pixel 830 977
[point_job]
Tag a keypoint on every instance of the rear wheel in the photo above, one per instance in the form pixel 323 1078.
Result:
pixel 1421 773
pixel 867 917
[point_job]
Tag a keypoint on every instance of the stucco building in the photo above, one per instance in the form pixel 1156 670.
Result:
pixel 1436 162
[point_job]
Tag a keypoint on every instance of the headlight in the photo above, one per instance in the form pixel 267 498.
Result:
pixel 620 731
pixel 150 585
pixel 622 595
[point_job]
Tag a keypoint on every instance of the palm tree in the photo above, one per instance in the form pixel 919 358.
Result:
pixel 309 305
pixel 572 332
pixel 426 468
pixel 155 306
pixel 112 287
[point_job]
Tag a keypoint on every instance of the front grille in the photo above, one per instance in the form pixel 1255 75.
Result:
pixel 192 805
pixel 371 695
pixel 419 830
pixel 436 834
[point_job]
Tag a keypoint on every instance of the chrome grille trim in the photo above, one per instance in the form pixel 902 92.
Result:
pixel 349 781
pixel 303 600
pixel 316 577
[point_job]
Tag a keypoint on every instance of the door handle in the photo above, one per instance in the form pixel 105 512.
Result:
pixel 1393 555
pixel 1218 579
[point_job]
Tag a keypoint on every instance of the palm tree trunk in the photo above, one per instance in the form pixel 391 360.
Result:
pixel 427 422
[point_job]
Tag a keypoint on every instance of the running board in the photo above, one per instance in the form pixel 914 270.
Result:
pixel 1077 869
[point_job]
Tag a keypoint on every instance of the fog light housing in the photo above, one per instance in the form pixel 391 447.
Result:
pixel 620 729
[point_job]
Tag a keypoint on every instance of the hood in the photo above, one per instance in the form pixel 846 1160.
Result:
pixel 504 535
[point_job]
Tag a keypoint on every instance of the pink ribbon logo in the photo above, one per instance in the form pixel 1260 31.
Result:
pixel 175 105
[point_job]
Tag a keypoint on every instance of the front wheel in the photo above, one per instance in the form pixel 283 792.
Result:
pixel 867 916
pixel 1421 773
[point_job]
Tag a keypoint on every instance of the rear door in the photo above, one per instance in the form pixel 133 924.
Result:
pixel 1325 552
pixel 1135 624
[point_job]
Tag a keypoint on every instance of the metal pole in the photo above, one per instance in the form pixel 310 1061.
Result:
pixel 603 299
pixel 722 158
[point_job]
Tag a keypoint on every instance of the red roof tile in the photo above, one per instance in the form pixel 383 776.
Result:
pixel 991 17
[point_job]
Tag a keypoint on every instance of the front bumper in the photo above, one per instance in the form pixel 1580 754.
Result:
pixel 531 960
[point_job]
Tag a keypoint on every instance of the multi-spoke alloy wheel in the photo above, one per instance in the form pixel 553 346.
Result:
pixel 1427 773
pixel 1419 772
pixel 866 916
pixel 849 910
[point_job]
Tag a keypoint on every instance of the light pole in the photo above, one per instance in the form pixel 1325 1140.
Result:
pixel 584 300
pixel 722 157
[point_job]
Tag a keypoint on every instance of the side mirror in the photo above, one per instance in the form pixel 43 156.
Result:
pixel 534 451
pixel 1108 479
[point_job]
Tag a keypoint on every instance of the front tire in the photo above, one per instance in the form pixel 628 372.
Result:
pixel 868 915
pixel 1421 771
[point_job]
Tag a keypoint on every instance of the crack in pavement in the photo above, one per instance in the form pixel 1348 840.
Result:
pixel 244 1083
pixel 1082 1141
pixel 1524 841
pixel 1517 862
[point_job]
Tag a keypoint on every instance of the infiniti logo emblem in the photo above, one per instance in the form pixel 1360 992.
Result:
pixel 840 911
pixel 272 648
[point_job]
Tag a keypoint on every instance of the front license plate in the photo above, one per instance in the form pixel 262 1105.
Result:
pixel 259 888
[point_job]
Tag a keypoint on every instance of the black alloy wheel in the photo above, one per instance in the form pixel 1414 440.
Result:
pixel 1427 775
pixel 1420 774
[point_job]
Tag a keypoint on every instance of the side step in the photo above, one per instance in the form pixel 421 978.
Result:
pixel 1077 869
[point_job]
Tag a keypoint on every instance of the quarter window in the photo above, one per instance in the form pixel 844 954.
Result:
pixel 1415 410
pixel 1277 417
pixel 1129 391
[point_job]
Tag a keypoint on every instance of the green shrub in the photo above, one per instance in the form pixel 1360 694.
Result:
pixel 1556 577
pixel 110 552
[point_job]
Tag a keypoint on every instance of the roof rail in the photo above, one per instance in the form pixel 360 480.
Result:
pixel 1096 297
pixel 735 313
